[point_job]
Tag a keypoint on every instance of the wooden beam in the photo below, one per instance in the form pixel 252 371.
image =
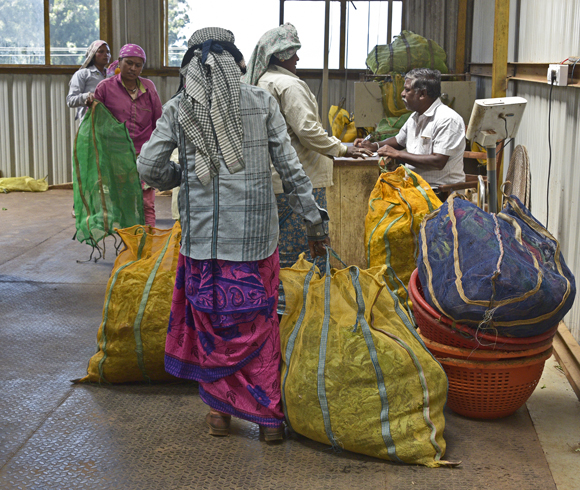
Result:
pixel 500 48
pixel 46 33
pixel 106 21
pixel 324 114
pixel 342 56
pixel 281 12
pixel 460 42
pixel 567 353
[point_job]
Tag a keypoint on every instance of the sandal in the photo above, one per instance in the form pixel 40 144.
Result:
pixel 272 434
pixel 219 425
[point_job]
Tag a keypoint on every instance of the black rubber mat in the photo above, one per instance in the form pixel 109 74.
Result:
pixel 56 435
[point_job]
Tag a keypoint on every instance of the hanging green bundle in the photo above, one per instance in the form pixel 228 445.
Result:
pixel 106 184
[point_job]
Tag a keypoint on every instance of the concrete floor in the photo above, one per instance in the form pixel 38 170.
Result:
pixel 57 435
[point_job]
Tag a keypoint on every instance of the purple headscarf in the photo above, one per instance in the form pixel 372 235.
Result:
pixel 132 50
pixel 126 52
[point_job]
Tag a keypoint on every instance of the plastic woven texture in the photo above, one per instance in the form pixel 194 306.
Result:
pixel 342 126
pixel 407 51
pixel 131 337
pixel 485 390
pixel 355 373
pixel 391 89
pixel 397 205
pixel 501 274
pixel 25 184
pixel 106 185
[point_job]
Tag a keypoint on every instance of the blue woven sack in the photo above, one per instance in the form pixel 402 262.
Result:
pixel 503 274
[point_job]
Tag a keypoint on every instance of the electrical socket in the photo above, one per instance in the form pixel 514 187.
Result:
pixel 558 73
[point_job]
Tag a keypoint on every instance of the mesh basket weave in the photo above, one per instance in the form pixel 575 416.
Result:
pixel 485 390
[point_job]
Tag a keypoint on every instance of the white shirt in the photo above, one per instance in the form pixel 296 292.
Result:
pixel 309 139
pixel 438 130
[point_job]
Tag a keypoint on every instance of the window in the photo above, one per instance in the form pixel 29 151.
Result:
pixel 367 25
pixel 72 26
pixel 247 20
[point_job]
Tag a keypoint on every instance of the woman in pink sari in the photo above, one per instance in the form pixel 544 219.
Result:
pixel 223 328
pixel 133 100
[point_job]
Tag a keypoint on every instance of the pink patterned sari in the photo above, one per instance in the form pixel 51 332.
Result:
pixel 223 333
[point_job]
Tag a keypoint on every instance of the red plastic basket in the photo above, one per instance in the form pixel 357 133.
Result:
pixel 489 390
pixel 446 351
pixel 441 329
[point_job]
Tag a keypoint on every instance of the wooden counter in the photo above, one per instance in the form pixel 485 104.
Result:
pixel 354 179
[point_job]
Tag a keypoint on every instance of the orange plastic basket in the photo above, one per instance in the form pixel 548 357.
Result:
pixel 441 329
pixel 490 390
pixel 445 351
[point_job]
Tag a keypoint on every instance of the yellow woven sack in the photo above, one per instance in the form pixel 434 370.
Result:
pixel 393 105
pixel 11 184
pixel 131 338
pixel 397 205
pixel 342 125
pixel 355 373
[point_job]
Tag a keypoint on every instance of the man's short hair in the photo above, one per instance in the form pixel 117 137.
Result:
pixel 426 79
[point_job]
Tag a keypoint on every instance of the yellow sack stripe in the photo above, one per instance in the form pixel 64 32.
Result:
pixel 131 337
pixel 354 372
pixel 397 206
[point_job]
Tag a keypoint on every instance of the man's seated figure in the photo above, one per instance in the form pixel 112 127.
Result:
pixel 432 141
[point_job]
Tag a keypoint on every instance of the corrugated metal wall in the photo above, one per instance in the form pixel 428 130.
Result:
pixel 37 129
pixel 436 20
pixel 544 31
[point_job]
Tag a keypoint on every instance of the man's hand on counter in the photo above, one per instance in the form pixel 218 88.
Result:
pixel 356 152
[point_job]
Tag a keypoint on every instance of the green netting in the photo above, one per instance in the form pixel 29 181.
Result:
pixel 407 51
pixel 389 127
pixel 107 189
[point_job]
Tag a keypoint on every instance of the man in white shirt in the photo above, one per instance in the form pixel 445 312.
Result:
pixel 432 141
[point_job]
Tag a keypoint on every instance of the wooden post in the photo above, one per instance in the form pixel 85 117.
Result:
pixel 281 12
pixel 324 104
pixel 500 48
pixel 343 47
pixel 106 21
pixel 46 33
pixel 390 22
pixel 499 68
pixel 460 43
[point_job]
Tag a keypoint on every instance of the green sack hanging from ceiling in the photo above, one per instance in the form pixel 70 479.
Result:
pixel 407 51
pixel 106 184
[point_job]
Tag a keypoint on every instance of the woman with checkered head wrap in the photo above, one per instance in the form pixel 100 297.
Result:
pixel 223 328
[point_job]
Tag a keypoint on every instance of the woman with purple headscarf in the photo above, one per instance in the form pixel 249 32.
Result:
pixel 134 101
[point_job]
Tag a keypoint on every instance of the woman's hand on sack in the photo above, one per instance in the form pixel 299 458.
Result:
pixel 90 99
pixel 318 247
pixel 355 152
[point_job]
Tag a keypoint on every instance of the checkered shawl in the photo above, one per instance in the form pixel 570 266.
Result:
pixel 210 108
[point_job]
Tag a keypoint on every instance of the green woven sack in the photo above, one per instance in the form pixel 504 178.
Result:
pixel 106 184
pixel 407 51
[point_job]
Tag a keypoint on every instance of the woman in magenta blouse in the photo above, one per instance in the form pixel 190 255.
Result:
pixel 134 101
